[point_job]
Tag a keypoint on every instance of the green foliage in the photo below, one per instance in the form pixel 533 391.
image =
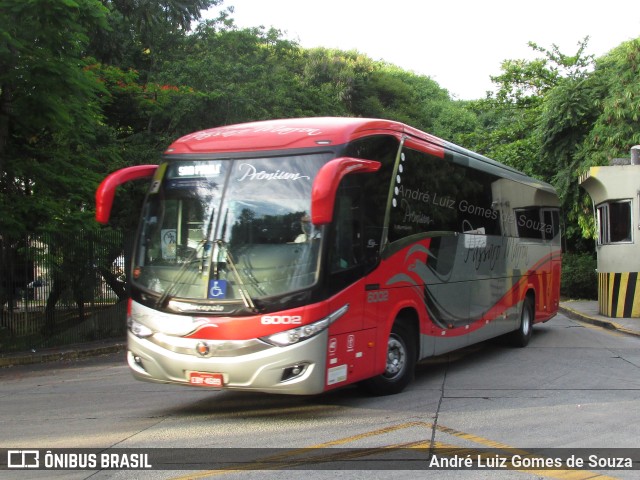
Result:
pixel 588 119
pixel 240 75
pixel 579 277
pixel 141 30
pixel 147 14
pixel 49 113
pixel 331 80
pixel 66 120
pixel 389 92
pixel 568 114
pixel 616 129
pixel 89 86
pixel 511 132
pixel 555 116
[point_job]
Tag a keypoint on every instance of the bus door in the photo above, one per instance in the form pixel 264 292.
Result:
pixel 350 354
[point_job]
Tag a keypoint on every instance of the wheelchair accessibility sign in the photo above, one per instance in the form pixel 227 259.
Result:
pixel 217 289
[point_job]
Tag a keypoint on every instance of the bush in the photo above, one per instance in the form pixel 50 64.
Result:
pixel 579 276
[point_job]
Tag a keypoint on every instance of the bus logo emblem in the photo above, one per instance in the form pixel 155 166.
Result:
pixel 203 349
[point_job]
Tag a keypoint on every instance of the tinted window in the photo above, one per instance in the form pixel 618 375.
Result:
pixel 383 149
pixel 435 194
pixel 614 219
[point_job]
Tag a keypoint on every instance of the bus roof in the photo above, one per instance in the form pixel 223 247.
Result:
pixel 281 134
pixel 299 133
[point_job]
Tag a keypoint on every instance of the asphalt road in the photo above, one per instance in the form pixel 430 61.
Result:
pixel 575 386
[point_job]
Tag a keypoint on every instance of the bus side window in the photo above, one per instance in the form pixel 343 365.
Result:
pixel 551 220
pixel 346 242
pixel 347 259
pixel 341 257
pixel 529 222
pixel 383 149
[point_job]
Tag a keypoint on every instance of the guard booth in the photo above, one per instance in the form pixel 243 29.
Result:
pixel 615 191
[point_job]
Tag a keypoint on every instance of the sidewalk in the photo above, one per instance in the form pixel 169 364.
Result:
pixel 70 352
pixel 587 311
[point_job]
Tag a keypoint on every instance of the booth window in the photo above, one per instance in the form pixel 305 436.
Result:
pixel 614 222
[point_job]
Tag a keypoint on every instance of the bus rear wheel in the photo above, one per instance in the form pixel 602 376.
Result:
pixel 400 364
pixel 521 337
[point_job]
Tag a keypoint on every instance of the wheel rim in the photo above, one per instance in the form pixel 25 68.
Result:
pixel 396 358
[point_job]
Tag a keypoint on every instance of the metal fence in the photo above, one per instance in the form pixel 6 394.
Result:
pixel 58 290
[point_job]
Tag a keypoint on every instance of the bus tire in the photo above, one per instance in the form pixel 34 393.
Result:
pixel 400 364
pixel 521 336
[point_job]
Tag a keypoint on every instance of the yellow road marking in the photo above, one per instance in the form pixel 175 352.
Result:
pixel 286 459
pixel 268 461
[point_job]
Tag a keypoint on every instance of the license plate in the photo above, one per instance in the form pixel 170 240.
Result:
pixel 206 379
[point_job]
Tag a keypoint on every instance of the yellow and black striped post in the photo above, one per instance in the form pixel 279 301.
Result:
pixel 619 294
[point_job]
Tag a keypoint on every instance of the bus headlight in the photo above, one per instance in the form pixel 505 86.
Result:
pixel 295 335
pixel 138 329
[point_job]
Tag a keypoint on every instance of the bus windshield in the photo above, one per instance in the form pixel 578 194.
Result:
pixel 229 230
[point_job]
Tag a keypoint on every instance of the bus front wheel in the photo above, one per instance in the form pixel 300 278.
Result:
pixel 399 366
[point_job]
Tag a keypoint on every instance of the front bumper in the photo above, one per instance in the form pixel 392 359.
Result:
pixel 271 370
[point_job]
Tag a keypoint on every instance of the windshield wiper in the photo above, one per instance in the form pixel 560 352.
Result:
pixel 184 267
pixel 244 293
pixel 203 244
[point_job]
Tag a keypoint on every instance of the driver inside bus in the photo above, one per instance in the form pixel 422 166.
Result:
pixel 308 230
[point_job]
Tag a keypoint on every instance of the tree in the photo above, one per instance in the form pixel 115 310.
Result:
pixel 616 85
pixel 49 111
pixel 588 119
pixel 57 132
pixel 535 121
pixel 49 118
pixel 512 113
pixel 330 79
pixel 141 30
pixel 567 116
pixel 616 82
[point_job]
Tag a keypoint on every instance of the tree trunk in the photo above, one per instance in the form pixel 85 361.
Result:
pixel 6 96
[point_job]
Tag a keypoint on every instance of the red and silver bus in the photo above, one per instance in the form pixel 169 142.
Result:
pixel 298 256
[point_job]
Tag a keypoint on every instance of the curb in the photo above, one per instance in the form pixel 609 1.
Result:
pixel 70 352
pixel 607 324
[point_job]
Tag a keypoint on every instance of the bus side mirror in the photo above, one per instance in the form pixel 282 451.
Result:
pixel 107 189
pixel 325 185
